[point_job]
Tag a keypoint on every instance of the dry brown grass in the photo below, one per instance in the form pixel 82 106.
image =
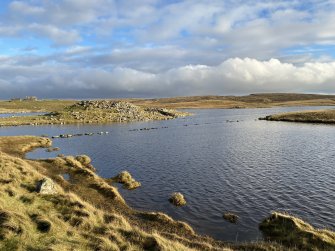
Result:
pixel 34 106
pixel 292 231
pixel 127 180
pixel 250 101
pixel 19 145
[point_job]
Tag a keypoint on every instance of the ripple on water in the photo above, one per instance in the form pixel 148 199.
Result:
pixel 250 168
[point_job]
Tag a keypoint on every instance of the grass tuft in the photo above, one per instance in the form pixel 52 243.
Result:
pixel 177 199
pixel 292 231
pixel 127 180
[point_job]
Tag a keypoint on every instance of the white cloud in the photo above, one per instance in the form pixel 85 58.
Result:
pixel 259 29
pixel 168 47
pixel 26 9
pixel 9 30
pixel 74 50
pixel 59 36
pixel 233 76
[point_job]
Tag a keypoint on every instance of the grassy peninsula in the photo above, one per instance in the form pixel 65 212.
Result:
pixel 85 212
pixel 321 116
pixel 98 111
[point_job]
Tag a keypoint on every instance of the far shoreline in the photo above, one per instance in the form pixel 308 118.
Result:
pixel 261 100
pixel 311 117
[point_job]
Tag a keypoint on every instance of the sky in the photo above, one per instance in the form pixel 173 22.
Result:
pixel 157 48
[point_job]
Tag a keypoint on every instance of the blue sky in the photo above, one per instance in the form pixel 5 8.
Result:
pixel 155 48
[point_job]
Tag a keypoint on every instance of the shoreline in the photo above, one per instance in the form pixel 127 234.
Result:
pixel 87 188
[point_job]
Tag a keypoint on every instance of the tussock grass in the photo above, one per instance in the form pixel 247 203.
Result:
pixel 292 231
pixel 177 199
pixel 127 180
pixel 83 159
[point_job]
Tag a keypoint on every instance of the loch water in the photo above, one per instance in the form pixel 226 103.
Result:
pixel 220 159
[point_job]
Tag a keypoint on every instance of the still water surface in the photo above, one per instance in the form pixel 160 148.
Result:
pixel 249 167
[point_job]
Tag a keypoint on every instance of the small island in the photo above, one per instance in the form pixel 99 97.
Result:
pixel 317 116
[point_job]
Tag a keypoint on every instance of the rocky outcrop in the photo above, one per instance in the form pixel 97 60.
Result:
pixel 121 106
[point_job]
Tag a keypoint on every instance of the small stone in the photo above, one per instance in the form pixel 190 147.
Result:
pixel 46 186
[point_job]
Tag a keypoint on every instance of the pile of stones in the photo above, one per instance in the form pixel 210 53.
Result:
pixel 120 106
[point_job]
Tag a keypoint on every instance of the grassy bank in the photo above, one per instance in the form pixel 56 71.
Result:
pixel 291 231
pixel 322 116
pixel 85 212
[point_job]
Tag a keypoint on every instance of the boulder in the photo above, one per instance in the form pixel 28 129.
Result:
pixel 46 186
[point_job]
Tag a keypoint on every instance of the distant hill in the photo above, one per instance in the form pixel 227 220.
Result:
pixel 257 100
pixel 249 101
